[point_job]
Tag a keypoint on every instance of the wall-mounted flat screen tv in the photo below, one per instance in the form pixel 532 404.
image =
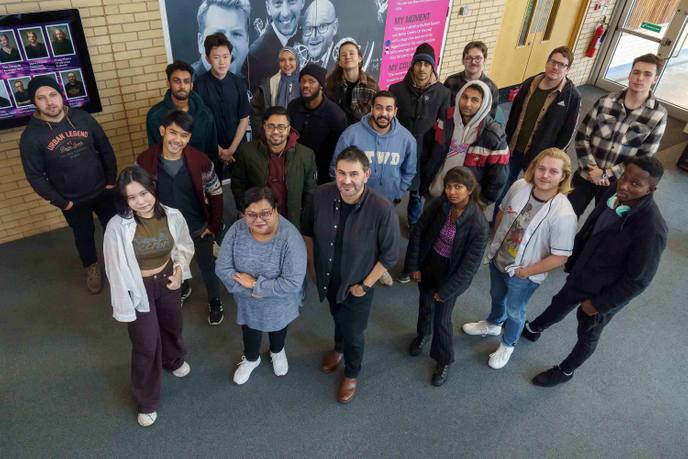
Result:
pixel 48 43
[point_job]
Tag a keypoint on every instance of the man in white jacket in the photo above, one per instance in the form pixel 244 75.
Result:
pixel 534 234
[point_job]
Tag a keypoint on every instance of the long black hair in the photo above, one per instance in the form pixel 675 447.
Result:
pixel 465 177
pixel 147 181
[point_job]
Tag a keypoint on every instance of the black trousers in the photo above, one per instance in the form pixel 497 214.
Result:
pixel 435 316
pixel 589 327
pixel 80 219
pixel 350 321
pixel 253 338
pixel 585 191
pixel 206 264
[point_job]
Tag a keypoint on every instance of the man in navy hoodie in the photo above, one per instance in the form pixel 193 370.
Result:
pixel 390 147
pixel 68 160
pixel 615 257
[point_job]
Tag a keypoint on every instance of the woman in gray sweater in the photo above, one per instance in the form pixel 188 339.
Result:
pixel 262 262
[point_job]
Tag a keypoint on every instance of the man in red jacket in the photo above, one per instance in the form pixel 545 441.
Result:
pixel 187 181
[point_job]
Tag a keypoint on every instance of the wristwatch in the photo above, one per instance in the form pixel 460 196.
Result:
pixel 604 174
pixel 365 287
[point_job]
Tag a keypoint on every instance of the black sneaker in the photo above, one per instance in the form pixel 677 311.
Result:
pixel 403 278
pixel 440 376
pixel 417 346
pixel 215 311
pixel 186 291
pixel 552 377
pixel 530 335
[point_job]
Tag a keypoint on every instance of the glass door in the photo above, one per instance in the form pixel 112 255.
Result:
pixel 650 26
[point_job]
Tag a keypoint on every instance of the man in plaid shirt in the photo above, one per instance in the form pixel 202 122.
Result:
pixel 621 126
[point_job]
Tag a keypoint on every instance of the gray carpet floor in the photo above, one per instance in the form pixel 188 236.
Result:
pixel 64 373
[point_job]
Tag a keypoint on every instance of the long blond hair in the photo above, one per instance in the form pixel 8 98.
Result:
pixel 565 185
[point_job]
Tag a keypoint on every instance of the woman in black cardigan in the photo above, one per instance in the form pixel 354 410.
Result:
pixel 444 253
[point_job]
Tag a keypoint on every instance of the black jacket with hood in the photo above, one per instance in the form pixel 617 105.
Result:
pixel 468 246
pixel 419 109
pixel 67 161
pixel 618 263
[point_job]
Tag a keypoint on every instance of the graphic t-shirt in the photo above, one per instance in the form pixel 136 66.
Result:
pixel 152 242
pixel 506 255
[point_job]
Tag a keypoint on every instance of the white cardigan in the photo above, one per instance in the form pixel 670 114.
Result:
pixel 551 231
pixel 126 283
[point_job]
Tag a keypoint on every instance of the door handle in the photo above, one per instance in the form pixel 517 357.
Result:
pixel 530 43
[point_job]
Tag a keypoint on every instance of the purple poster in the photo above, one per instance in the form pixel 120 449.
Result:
pixel 30 50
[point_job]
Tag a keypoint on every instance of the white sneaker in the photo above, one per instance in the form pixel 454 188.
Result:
pixel 279 362
pixel 246 367
pixel 182 371
pixel 500 357
pixel 386 279
pixel 147 419
pixel 481 328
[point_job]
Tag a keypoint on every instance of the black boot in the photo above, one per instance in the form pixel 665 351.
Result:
pixel 417 345
pixel 440 376
pixel 529 335
pixel 552 377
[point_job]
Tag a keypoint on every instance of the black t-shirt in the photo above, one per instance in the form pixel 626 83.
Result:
pixel 336 278
pixel 349 91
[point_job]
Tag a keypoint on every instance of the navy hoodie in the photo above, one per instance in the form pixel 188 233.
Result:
pixel 67 161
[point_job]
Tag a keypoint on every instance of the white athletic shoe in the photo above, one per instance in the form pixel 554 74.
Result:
pixel 245 369
pixel 147 419
pixel 386 279
pixel 279 362
pixel 500 357
pixel 481 328
pixel 182 371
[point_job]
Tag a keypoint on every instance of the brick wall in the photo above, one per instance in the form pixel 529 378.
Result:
pixel 125 41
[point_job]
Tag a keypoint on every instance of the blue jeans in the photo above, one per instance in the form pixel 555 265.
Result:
pixel 515 166
pixel 415 206
pixel 510 296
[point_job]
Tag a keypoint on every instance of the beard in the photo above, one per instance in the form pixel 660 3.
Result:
pixel 178 97
pixel 313 96
pixel 389 122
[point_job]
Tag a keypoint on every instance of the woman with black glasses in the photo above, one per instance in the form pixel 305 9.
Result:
pixel 262 262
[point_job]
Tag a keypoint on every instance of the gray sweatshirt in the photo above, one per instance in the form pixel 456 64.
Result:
pixel 279 267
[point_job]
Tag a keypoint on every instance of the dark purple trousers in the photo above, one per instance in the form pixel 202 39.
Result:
pixel 156 338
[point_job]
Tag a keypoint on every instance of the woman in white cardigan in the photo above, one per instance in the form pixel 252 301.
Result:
pixel 147 251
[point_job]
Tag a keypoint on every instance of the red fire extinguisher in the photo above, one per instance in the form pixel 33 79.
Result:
pixel 596 40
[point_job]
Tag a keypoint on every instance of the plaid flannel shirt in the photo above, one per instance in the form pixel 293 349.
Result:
pixel 363 93
pixel 610 138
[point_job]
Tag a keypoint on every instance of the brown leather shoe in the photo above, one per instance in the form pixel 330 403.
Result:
pixel 331 361
pixel 347 389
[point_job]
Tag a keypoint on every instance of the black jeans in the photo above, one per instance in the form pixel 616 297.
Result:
pixel 206 264
pixel 589 327
pixel 584 191
pixel 350 321
pixel 80 219
pixel 253 338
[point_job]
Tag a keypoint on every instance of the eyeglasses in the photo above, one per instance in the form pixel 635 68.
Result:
pixel 322 28
pixel 477 59
pixel 557 64
pixel 281 128
pixel 264 215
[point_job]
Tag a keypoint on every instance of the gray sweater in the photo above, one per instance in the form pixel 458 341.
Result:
pixel 279 266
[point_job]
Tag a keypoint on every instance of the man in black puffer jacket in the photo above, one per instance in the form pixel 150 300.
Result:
pixel 421 100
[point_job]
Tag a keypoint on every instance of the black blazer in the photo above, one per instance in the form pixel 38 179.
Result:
pixel 468 248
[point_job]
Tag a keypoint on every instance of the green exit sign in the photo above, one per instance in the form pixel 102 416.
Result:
pixel 651 27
